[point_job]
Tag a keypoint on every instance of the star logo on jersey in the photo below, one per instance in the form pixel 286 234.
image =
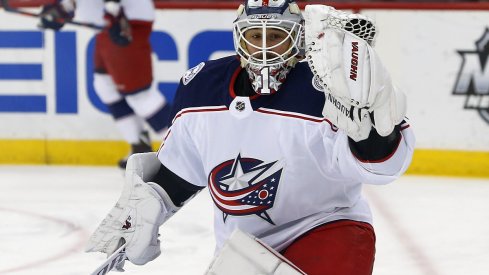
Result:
pixel 245 186
pixel 473 77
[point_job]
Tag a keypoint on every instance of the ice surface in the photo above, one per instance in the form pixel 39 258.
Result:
pixel 424 225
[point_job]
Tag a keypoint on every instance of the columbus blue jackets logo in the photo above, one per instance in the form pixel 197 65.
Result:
pixel 245 186
pixel 473 77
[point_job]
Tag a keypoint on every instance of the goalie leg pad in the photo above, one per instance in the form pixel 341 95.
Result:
pixel 244 254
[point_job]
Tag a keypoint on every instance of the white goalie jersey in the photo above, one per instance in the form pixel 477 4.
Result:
pixel 274 166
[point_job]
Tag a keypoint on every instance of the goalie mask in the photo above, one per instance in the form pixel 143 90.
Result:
pixel 268 37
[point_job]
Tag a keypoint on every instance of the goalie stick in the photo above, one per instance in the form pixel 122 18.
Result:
pixel 116 260
pixel 8 8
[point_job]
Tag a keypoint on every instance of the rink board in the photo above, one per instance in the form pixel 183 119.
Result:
pixel 50 113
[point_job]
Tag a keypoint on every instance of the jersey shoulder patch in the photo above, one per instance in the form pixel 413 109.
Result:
pixel 316 83
pixel 191 73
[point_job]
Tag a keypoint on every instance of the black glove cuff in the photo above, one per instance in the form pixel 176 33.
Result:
pixel 376 147
pixel 178 189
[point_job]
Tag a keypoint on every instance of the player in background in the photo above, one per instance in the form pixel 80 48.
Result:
pixel 123 76
pixel 283 146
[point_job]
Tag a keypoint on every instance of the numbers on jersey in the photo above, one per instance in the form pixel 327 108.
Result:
pixel 265 81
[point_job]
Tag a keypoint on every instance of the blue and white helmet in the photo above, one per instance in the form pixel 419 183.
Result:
pixel 266 67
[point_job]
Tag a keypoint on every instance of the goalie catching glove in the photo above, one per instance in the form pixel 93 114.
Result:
pixel 340 54
pixel 137 215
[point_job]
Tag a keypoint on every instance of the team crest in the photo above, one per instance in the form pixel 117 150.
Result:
pixel 473 77
pixel 245 186
pixel 190 74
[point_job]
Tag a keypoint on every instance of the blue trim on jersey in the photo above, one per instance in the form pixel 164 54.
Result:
pixel 210 87
pixel 295 95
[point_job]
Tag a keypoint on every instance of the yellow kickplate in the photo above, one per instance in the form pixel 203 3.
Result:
pixel 450 163
pixel 66 152
pixel 96 152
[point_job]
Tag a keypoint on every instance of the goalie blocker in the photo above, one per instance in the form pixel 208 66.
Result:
pixel 137 215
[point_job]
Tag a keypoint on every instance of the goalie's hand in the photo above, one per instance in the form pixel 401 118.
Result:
pixel 137 215
pixel 341 58
pixel 354 121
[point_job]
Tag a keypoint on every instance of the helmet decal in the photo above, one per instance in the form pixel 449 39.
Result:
pixel 266 6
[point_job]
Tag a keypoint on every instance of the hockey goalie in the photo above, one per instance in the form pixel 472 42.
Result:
pixel 283 135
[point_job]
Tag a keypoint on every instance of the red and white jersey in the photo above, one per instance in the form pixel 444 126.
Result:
pixel 92 11
pixel 273 165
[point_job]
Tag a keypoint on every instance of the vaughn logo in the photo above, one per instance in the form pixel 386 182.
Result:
pixel 354 61
pixel 473 77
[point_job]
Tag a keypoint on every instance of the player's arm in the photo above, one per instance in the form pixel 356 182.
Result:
pixel 377 159
pixel 178 189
